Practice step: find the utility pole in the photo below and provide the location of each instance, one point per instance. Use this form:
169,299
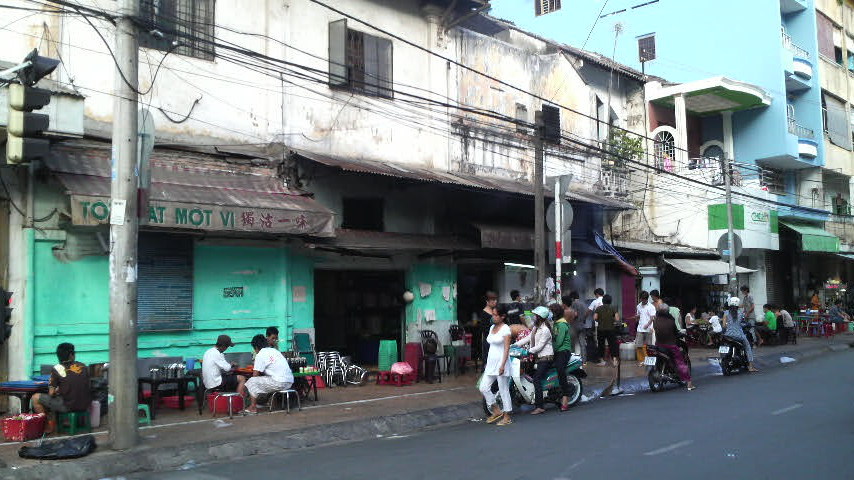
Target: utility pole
539,208
725,170
558,236
122,400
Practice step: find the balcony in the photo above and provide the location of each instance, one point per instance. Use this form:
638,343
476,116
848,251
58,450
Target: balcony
799,130
841,226
792,6
615,181
799,67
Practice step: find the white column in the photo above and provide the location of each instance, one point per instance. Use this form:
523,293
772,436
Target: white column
681,130
729,144
601,276
650,278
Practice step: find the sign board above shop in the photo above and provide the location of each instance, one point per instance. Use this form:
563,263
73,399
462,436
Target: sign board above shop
92,210
757,227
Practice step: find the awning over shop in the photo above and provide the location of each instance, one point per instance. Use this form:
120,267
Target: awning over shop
194,198
610,250
846,256
424,174
814,239
693,266
653,247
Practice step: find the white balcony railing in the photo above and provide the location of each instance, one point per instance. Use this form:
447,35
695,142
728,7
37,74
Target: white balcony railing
794,48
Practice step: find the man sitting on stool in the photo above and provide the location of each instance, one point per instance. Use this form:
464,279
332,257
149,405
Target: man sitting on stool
217,373
68,389
271,373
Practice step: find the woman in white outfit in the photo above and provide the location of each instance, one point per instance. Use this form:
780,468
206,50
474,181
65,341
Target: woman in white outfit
498,368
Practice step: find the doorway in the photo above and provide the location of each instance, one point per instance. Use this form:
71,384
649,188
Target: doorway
355,309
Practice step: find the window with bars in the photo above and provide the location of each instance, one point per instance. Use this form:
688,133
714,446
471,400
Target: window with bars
542,7
772,181
360,62
646,48
190,23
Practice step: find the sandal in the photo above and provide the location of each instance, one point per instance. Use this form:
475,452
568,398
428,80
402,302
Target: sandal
692,387
248,412
506,421
495,416
538,411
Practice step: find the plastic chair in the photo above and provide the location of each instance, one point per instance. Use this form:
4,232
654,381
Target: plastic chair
432,359
303,347
286,399
74,422
145,419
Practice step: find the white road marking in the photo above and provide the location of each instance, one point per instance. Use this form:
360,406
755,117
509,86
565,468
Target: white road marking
787,409
669,448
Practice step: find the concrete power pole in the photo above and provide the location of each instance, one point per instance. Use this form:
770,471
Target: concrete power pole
733,279
539,209
123,235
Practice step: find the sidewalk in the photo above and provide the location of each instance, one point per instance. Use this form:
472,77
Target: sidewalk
346,414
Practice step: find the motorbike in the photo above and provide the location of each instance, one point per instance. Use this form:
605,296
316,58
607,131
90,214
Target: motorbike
733,355
663,367
522,382
701,335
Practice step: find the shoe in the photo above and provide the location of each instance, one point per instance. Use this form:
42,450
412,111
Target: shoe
538,411
495,416
692,387
507,421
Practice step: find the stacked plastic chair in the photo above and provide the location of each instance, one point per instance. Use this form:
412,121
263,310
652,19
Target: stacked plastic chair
387,355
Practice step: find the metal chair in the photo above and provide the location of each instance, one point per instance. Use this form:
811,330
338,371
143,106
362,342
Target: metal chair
230,396
332,368
286,399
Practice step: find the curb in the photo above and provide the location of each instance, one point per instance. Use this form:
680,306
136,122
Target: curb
105,464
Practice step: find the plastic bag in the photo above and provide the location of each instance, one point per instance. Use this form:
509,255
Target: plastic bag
57,450
402,368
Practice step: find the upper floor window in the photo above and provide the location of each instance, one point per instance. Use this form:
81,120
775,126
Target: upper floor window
664,150
829,38
363,214
185,27
542,7
360,61
646,48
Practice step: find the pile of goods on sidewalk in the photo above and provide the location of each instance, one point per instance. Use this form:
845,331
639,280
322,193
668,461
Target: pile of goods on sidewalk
23,427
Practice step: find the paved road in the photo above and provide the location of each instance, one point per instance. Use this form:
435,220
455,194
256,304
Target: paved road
791,422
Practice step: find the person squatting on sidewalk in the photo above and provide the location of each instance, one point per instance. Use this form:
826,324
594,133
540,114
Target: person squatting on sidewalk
497,368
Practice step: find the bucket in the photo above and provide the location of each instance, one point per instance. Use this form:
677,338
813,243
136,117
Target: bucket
222,404
627,351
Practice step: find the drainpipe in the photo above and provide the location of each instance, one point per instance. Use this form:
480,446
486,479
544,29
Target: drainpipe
29,287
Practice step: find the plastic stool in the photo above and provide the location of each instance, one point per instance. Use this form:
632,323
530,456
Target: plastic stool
145,419
74,422
286,397
230,396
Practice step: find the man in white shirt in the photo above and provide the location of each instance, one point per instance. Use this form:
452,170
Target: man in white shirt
271,373
216,371
590,327
646,314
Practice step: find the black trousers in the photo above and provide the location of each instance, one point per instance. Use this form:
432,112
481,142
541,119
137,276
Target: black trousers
540,373
591,348
560,361
609,336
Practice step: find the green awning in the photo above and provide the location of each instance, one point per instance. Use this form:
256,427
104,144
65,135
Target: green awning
814,239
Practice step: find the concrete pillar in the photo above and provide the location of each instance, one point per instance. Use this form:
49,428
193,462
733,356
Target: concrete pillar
19,346
601,278
729,143
681,130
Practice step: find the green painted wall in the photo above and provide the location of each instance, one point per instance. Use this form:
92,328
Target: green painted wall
437,276
72,304
718,217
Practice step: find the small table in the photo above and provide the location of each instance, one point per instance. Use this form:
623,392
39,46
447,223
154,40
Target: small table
25,394
310,379
182,382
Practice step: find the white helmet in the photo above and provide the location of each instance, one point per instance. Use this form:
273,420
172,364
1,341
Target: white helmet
734,302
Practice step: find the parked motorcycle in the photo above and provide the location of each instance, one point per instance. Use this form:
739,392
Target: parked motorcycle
733,355
522,382
663,367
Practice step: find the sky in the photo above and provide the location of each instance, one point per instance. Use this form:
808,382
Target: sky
570,25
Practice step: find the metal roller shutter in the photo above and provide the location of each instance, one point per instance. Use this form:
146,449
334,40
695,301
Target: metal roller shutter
165,297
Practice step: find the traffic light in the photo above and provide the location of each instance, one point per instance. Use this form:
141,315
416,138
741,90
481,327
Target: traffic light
25,127
5,315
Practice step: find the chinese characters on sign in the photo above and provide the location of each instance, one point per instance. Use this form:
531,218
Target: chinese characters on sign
88,210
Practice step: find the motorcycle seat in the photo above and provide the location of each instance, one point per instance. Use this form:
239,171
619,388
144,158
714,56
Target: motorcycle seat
732,340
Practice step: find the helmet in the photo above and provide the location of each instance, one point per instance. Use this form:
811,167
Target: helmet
734,302
542,312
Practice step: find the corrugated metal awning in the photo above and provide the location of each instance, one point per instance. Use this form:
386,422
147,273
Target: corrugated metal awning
457,178
191,198
706,268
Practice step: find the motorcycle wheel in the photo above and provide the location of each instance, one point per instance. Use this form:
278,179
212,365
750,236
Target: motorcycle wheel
656,382
726,365
576,387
